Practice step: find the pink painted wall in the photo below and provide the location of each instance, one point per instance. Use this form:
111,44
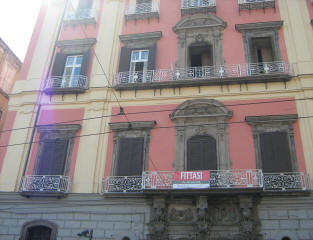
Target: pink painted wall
241,145
33,43
5,136
227,10
58,116
310,8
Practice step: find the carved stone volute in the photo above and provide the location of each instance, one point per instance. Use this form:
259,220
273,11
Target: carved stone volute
158,220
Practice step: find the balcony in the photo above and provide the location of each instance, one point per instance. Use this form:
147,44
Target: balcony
197,6
45,185
86,16
286,182
255,4
142,11
66,84
211,181
204,76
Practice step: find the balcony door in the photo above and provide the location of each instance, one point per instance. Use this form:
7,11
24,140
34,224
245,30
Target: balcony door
201,153
72,71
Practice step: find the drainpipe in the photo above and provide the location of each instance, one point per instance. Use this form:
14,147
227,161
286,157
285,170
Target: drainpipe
40,92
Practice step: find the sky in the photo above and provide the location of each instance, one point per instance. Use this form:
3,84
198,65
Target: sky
17,21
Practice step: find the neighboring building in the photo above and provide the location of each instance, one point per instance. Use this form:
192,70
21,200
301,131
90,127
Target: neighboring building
10,66
192,118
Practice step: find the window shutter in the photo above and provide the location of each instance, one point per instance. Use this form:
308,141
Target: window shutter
59,157
85,63
275,152
129,162
52,158
58,66
201,153
125,59
152,57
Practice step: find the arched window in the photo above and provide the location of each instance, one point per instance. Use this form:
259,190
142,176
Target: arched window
201,153
39,230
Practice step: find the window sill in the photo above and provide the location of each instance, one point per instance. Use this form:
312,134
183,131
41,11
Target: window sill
91,20
58,90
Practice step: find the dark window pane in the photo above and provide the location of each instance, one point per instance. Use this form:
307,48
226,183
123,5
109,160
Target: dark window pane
275,152
38,233
201,153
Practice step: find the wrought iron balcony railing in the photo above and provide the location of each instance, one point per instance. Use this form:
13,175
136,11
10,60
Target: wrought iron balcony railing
204,73
70,83
81,15
212,179
197,6
45,184
286,181
122,184
142,11
255,4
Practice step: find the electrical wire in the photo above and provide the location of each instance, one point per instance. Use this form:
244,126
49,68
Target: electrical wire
156,111
155,128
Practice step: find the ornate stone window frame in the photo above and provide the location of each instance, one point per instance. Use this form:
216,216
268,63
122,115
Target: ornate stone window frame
206,28
51,132
140,40
131,129
272,123
76,46
260,30
39,222
201,117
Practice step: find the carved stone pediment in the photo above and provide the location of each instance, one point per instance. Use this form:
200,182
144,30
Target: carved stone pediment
202,108
199,21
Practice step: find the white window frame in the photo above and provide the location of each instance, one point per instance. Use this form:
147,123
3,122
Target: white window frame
134,75
71,80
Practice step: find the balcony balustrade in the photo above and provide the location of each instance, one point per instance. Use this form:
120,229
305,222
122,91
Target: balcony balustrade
286,181
213,74
63,84
226,180
197,6
81,15
45,184
255,4
142,11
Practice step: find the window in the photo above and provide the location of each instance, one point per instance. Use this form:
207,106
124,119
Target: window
39,230
55,149
274,143
70,68
255,4
72,71
130,156
201,153
131,148
200,41
201,135
261,41
138,57
197,6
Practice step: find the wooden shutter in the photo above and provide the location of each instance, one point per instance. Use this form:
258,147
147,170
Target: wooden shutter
58,66
152,57
52,157
130,156
275,152
201,153
125,59
85,63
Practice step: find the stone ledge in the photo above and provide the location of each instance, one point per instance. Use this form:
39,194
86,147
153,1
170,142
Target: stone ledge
205,82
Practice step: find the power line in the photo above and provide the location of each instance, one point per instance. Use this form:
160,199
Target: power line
157,111
102,69
155,128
